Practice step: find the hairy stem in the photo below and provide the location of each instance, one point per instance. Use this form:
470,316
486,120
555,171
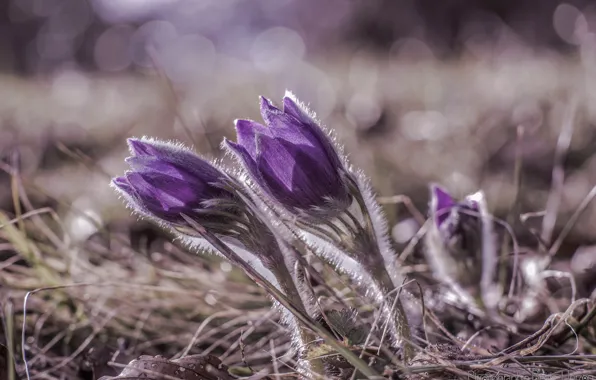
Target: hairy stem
300,315
303,336
399,321
377,268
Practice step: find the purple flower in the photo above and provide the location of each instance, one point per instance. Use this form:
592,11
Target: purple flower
449,216
441,202
292,160
167,180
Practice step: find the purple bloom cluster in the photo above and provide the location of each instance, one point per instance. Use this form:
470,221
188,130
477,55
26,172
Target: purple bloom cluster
291,159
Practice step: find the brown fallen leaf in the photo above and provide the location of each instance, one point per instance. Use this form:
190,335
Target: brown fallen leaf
193,367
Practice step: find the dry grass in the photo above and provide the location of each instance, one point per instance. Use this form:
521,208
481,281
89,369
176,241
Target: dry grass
102,289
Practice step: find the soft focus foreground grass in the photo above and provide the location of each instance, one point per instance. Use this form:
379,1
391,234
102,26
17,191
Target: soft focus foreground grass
405,124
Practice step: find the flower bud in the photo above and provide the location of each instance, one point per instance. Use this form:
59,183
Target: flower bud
293,161
166,180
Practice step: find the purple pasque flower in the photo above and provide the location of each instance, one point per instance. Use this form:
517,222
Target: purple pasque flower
450,216
292,160
166,180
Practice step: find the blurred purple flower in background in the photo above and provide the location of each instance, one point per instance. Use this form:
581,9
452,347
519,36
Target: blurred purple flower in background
447,214
441,201
292,160
167,180
461,248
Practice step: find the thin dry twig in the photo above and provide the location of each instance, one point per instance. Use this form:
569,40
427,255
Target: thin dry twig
558,174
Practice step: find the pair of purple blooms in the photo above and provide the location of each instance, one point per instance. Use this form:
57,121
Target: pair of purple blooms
290,158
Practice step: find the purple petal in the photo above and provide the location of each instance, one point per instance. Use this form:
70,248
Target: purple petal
148,164
243,155
140,147
293,175
199,168
443,198
312,129
125,189
285,126
197,174
161,193
268,110
297,127
123,184
295,110
246,130
279,162
441,201
171,154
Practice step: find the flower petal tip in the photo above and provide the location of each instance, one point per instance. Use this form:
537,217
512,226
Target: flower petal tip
263,102
267,108
138,146
235,148
121,184
290,95
119,181
227,143
242,123
440,197
290,100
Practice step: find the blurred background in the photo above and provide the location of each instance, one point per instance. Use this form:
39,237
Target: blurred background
453,91
418,91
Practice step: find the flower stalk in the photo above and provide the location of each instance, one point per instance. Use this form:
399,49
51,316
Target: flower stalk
300,314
